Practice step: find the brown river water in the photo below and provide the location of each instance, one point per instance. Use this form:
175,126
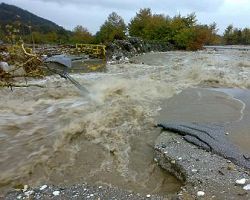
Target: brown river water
56,135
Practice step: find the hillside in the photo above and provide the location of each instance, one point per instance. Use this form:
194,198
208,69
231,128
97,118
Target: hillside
10,14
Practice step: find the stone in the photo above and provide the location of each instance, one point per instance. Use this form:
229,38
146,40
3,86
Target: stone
28,193
56,193
241,181
43,187
200,193
246,187
25,188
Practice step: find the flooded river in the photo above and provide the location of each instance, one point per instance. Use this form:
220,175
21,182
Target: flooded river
56,135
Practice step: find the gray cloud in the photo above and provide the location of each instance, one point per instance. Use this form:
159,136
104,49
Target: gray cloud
199,5
92,13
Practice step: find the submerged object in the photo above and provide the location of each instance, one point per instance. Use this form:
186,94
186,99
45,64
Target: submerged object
60,64
210,137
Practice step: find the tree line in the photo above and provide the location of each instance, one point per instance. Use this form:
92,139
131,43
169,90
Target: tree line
183,32
233,36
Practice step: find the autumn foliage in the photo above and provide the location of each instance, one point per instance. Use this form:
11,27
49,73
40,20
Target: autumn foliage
181,31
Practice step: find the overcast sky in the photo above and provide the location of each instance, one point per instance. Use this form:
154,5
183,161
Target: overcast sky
92,13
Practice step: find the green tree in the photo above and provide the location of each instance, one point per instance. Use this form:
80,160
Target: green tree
139,23
246,36
113,28
38,37
228,34
158,28
1,34
81,35
51,37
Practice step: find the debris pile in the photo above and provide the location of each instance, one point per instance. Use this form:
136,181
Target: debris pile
17,62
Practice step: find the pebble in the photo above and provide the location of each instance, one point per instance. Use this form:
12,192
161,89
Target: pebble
28,193
43,187
241,181
56,193
19,197
25,188
200,193
227,133
246,187
148,196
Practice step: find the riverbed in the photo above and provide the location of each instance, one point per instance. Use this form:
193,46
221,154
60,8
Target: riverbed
56,135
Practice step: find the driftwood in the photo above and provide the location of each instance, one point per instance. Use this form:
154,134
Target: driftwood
11,85
30,63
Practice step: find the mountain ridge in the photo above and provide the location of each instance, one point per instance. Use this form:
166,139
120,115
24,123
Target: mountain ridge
11,14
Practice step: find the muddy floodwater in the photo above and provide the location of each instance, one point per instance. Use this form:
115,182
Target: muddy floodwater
56,135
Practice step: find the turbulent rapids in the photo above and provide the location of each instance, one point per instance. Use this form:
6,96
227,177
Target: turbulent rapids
56,135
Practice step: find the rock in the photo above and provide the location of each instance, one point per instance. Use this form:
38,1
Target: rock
56,193
200,193
172,161
148,196
240,181
246,187
28,193
43,187
25,188
19,197
11,69
121,50
4,65
231,166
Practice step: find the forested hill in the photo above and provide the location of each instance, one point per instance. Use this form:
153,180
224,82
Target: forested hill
12,15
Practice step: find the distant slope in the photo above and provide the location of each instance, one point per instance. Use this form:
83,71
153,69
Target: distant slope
10,14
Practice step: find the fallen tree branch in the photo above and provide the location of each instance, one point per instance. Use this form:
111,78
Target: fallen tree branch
11,85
